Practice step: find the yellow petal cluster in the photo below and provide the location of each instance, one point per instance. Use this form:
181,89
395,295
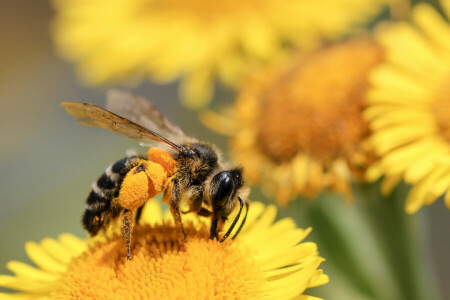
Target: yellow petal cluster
196,41
268,260
409,107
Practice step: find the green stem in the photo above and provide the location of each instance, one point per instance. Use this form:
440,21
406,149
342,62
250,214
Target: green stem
374,250
401,240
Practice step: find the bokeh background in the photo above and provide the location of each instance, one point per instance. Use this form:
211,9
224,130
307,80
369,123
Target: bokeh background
48,161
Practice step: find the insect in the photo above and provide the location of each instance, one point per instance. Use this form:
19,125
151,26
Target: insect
193,172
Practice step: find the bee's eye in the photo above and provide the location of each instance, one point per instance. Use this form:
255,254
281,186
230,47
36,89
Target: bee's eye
238,180
237,176
189,152
222,188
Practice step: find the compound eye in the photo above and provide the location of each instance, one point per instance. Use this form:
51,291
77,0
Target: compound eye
222,187
189,152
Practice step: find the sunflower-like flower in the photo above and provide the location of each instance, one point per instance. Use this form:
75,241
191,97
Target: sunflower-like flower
298,128
197,40
266,261
409,107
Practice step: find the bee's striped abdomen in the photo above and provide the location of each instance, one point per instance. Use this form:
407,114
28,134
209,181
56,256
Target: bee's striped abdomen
99,208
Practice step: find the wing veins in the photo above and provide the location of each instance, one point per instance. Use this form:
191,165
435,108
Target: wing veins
94,116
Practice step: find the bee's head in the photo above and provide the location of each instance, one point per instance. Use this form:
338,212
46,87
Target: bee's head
223,188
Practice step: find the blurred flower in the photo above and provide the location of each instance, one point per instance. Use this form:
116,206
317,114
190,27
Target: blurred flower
266,261
409,108
197,41
298,128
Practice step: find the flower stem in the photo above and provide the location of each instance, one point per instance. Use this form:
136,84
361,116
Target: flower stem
374,250
402,239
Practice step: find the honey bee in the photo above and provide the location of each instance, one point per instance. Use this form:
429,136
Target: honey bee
199,179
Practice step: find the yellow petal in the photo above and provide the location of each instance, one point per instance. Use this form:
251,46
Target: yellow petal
19,296
447,199
405,44
394,78
151,213
294,284
42,259
23,284
388,183
197,88
433,24
391,138
218,122
418,194
77,245
28,272
56,250
321,280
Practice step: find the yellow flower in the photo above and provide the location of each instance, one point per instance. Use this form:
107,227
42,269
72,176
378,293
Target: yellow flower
299,128
266,261
197,40
409,107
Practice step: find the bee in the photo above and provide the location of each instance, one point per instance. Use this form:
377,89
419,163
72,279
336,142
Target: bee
194,173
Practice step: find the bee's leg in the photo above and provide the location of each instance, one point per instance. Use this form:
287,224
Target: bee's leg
213,231
203,212
127,230
138,214
175,204
196,197
216,226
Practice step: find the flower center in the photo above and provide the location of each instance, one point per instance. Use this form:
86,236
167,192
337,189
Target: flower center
442,110
315,106
163,267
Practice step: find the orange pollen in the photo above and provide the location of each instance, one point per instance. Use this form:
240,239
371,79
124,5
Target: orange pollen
146,179
163,267
141,183
441,110
315,107
162,158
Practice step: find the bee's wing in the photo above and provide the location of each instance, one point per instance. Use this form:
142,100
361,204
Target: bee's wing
144,113
95,116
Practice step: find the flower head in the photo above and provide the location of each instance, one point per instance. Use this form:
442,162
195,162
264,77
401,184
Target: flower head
409,107
299,128
196,41
266,261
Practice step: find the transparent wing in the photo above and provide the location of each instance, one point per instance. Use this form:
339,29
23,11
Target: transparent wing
142,112
94,116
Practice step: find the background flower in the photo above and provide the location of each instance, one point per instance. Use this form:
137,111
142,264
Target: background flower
409,107
197,41
298,127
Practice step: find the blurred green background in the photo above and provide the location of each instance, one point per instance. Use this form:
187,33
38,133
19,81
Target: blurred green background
48,161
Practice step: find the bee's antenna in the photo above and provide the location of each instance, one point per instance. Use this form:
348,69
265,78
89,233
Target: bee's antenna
243,221
234,221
